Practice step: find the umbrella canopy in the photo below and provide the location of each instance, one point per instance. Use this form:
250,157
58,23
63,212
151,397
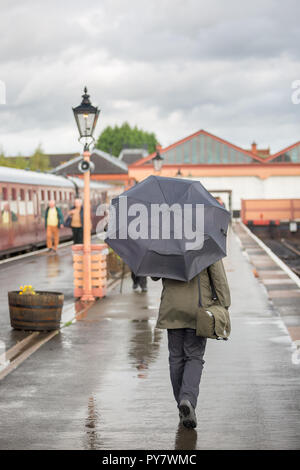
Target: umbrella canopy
168,227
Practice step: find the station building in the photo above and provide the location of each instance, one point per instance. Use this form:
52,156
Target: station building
229,171
225,169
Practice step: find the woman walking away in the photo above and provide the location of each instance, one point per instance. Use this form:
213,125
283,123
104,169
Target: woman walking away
186,312
76,222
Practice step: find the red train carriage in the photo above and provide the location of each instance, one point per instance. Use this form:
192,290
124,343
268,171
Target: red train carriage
24,197
270,211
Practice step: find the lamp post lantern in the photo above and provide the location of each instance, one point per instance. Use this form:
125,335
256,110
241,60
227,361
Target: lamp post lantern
86,116
158,159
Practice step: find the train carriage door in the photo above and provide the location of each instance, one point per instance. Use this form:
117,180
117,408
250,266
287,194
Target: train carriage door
36,212
36,208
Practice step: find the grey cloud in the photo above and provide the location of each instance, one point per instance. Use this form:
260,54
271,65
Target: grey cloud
171,66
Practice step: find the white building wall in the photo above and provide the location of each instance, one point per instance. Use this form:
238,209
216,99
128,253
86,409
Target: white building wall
252,187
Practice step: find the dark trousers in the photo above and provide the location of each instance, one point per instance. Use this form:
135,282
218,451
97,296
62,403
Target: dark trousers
140,280
77,235
186,351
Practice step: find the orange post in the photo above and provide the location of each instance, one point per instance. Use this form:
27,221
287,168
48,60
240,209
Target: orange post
87,275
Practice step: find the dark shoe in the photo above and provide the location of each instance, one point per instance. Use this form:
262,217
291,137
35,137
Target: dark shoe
189,419
135,285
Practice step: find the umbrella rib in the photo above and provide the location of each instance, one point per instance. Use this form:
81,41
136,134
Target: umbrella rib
161,189
141,261
182,196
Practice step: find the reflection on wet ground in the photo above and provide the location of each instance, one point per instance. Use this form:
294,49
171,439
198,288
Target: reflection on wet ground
186,439
91,423
53,261
143,345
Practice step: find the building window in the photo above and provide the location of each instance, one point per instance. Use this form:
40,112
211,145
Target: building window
4,194
29,195
49,195
22,195
13,194
292,156
42,195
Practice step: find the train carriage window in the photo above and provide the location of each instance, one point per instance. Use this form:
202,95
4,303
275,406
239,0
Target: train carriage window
22,203
4,194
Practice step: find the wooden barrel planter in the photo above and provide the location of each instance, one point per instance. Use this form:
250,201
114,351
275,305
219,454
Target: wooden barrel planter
41,312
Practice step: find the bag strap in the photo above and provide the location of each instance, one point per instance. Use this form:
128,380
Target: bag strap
213,290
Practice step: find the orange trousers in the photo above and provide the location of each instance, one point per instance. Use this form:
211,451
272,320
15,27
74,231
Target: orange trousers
52,234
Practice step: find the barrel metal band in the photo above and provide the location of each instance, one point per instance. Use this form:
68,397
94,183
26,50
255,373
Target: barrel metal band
36,306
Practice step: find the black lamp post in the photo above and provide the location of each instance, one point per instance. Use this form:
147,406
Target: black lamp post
86,117
158,159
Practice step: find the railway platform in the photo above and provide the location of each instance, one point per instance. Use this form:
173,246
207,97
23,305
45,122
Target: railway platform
103,382
282,285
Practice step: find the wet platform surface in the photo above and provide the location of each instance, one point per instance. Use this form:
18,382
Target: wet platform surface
103,383
283,292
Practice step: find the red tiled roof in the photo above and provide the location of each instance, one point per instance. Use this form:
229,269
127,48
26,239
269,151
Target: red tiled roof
286,149
170,147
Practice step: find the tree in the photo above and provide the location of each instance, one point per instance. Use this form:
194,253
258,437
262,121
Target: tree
114,139
20,162
13,162
2,158
39,161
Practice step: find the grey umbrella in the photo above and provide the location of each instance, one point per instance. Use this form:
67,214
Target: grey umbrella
168,227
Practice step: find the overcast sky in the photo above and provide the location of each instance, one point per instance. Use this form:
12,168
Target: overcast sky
169,66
